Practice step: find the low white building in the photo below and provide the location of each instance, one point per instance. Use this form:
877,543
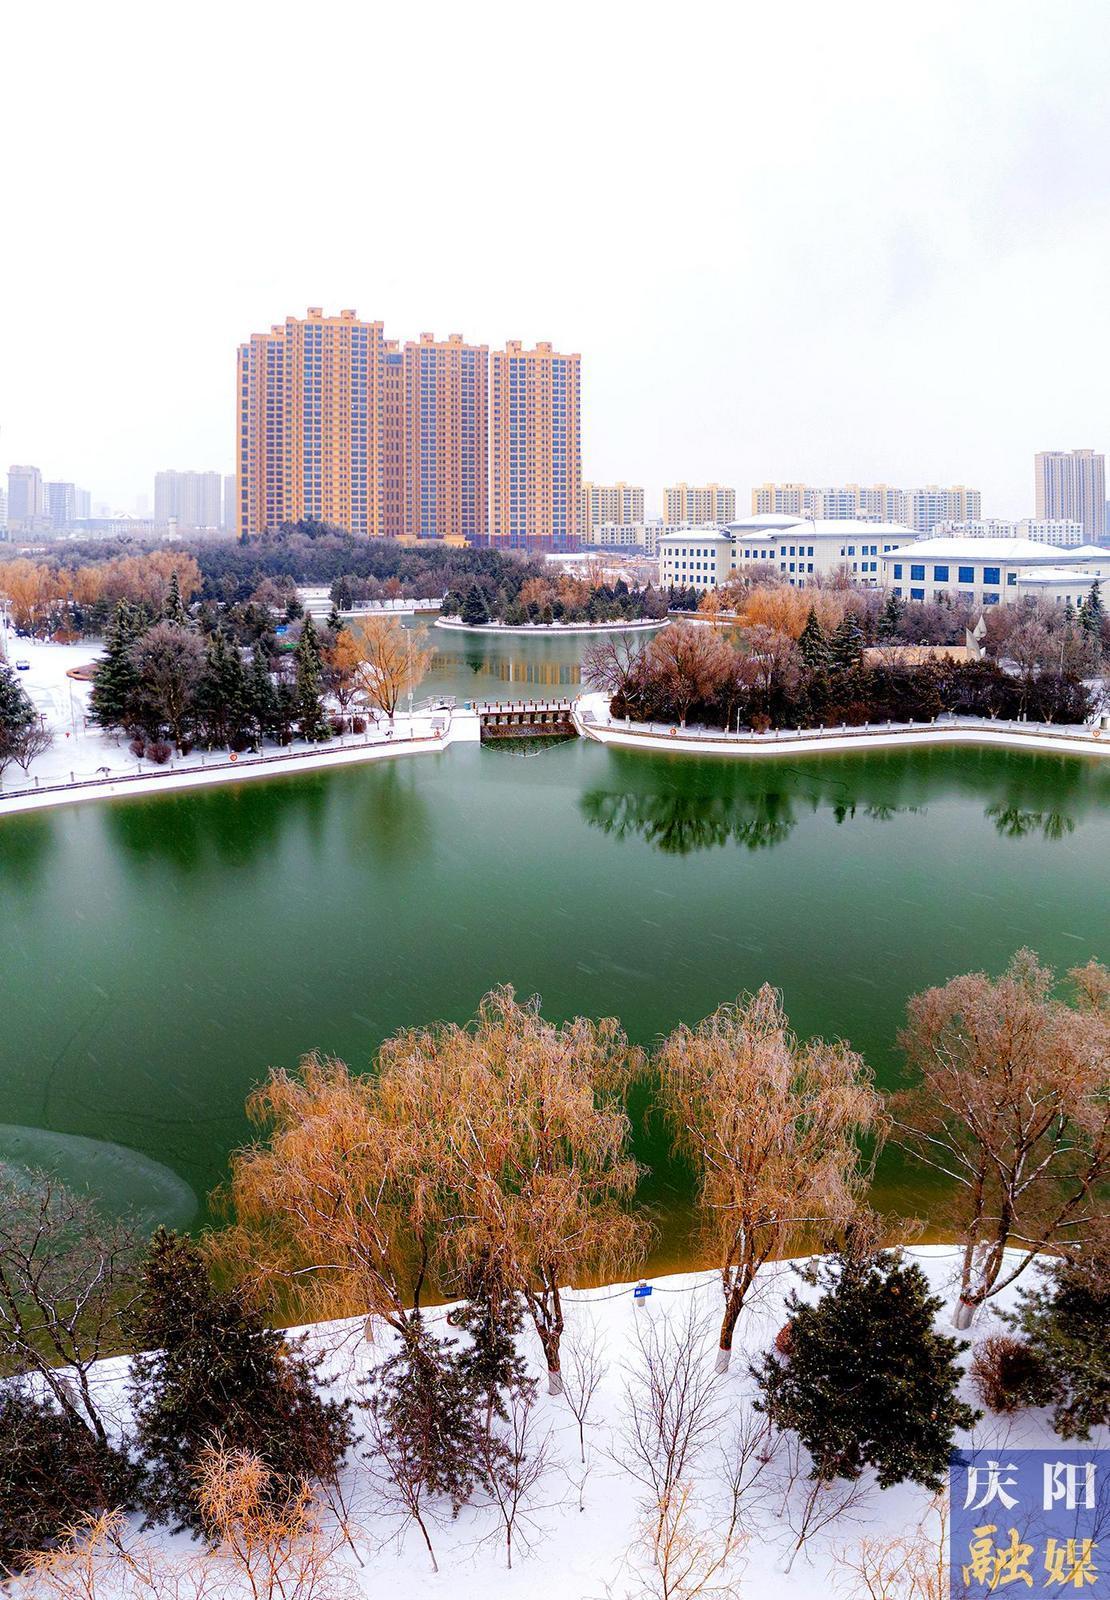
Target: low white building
802,550
1059,585
695,558
981,572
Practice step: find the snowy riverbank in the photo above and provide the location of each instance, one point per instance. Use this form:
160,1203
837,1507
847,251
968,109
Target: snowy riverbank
85,763
594,721
585,1525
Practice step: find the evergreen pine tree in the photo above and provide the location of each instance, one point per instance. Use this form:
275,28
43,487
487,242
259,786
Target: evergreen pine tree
174,608
16,711
335,621
223,699
1069,613
868,1381
52,1472
474,610
423,1399
490,1364
262,696
846,644
310,717
1091,612
1065,1320
890,619
115,689
813,647
213,1371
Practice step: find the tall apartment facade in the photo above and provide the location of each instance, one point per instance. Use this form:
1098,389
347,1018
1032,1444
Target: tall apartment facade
535,448
933,505
1071,486
699,504
26,500
191,499
311,424
446,422
852,502
610,504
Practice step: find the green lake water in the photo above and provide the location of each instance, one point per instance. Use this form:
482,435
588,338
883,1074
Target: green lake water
158,955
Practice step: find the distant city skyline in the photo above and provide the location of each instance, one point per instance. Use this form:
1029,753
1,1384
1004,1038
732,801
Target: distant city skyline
894,272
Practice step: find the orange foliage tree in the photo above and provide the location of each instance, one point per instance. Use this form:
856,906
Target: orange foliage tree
771,1126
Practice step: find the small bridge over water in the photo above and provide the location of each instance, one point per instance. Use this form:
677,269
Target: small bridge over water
525,719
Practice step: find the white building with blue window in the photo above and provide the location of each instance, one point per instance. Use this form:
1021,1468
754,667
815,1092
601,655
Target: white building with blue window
801,550
982,572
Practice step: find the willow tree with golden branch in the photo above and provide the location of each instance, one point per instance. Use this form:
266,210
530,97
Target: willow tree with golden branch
337,1207
535,1148
772,1128
1010,1100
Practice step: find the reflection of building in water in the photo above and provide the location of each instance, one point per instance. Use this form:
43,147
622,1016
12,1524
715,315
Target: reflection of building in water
553,674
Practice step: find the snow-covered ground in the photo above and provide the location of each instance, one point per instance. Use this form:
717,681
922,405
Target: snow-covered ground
84,754
582,1538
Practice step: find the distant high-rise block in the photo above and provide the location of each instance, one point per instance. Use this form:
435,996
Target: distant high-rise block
191,499
311,423
1071,486
3,512
26,500
931,506
699,504
229,521
61,504
535,448
609,503
446,422
855,502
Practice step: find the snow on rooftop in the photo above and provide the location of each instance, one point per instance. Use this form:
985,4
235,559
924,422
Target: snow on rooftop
1033,551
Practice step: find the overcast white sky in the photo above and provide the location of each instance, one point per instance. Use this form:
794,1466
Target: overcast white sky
828,240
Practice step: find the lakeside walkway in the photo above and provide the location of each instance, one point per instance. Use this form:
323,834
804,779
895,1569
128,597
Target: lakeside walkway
424,734
593,721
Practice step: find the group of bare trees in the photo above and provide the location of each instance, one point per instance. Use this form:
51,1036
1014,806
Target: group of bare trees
49,599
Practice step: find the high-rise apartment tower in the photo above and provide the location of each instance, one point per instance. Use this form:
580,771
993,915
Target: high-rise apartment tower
1071,486
446,423
698,504
535,448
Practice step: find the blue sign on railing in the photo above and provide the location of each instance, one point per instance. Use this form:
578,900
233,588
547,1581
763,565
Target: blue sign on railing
641,1291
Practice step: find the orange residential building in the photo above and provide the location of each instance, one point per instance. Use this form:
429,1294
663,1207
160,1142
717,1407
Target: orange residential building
446,423
337,423
535,448
313,415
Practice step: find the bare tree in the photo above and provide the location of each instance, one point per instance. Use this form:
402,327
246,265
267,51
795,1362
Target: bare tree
29,743
265,1546
673,1416
810,1503
901,1566
771,1126
584,1368
68,1278
673,1409
533,1148
1009,1100
609,664
515,1460
400,1473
